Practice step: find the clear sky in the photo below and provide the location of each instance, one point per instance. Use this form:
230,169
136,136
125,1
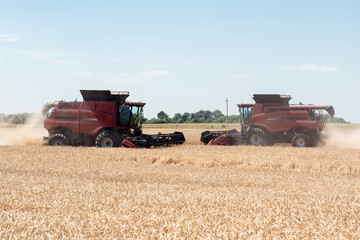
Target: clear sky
181,56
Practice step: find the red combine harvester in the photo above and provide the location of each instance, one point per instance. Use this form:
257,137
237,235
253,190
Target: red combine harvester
103,119
272,120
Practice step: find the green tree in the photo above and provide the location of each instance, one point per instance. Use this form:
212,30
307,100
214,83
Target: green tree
162,115
157,121
177,118
218,115
186,117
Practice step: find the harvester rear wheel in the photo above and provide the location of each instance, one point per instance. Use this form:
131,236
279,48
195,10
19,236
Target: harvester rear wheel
58,139
300,140
108,139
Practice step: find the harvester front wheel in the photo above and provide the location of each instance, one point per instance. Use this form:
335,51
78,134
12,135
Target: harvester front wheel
256,137
58,139
300,140
108,139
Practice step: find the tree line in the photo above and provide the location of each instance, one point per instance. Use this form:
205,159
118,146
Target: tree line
197,117
214,117
19,118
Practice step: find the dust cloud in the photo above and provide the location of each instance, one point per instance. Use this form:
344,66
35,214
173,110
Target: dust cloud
347,137
30,133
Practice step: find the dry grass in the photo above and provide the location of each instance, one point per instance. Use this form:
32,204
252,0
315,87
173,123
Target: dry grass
190,191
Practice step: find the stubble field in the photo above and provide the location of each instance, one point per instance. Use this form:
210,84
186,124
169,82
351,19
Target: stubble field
190,191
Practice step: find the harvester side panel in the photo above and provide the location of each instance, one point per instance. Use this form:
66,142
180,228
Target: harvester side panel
272,122
102,115
88,106
92,122
299,119
65,118
276,119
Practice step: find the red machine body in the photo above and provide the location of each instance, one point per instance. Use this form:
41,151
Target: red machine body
87,117
103,119
275,118
80,123
272,119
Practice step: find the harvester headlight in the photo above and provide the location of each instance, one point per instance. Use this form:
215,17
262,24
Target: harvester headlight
50,112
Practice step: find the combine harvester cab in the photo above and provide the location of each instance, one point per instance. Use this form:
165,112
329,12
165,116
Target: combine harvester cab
271,119
103,119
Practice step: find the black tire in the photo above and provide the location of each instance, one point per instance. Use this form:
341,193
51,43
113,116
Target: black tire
314,140
301,140
58,139
313,144
108,139
257,137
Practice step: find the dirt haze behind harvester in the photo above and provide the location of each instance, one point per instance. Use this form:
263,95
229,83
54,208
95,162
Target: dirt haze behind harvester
31,133
342,137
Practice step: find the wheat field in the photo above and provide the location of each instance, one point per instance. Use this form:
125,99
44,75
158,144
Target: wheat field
182,192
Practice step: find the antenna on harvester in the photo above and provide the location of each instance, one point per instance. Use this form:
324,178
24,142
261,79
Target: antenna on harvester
227,113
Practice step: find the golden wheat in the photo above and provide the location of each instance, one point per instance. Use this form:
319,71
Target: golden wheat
189,191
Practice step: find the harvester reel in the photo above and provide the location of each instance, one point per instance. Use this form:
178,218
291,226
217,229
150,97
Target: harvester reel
300,140
58,139
108,139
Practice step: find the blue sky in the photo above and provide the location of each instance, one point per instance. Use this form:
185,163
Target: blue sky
180,56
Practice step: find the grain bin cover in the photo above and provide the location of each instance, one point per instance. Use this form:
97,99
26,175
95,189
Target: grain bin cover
272,98
104,95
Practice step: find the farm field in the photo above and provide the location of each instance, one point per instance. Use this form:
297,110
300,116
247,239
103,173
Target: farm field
189,191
